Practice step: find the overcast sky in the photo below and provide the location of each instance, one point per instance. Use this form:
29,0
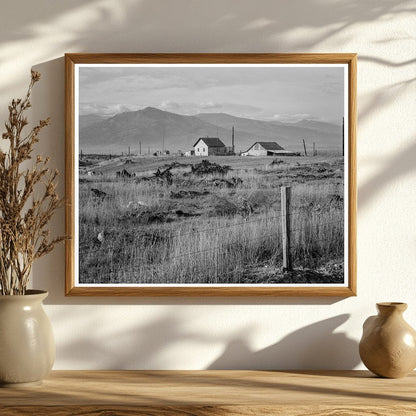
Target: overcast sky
269,93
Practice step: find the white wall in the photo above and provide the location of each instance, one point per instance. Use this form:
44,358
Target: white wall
197,333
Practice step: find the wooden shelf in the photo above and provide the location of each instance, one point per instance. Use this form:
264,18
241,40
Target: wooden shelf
203,393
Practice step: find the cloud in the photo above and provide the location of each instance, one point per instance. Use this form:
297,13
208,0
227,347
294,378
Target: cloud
192,108
210,105
286,94
107,109
170,105
189,108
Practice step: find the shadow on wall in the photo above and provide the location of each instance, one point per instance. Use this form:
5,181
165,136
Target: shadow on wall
142,21
146,26
143,347
396,167
382,97
48,100
241,26
313,347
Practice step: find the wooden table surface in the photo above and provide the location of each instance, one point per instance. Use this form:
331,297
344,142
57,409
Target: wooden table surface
202,393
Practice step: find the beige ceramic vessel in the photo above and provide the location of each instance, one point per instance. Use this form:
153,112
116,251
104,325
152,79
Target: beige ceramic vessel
27,347
388,344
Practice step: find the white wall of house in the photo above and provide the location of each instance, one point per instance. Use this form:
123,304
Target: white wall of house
261,333
201,148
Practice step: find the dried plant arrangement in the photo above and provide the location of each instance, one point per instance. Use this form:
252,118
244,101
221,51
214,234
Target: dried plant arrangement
28,199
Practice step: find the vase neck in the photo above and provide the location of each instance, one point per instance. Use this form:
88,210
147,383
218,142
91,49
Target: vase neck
390,308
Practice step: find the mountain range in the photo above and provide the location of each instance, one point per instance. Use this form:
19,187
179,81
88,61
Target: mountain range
157,129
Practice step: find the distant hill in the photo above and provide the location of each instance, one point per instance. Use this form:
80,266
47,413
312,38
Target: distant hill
89,119
316,125
155,128
289,135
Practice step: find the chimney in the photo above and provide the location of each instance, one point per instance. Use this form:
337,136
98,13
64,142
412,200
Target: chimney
232,140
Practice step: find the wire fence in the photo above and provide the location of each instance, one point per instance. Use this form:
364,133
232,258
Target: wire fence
246,222
257,241
249,243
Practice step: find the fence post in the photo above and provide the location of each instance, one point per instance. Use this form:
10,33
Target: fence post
285,203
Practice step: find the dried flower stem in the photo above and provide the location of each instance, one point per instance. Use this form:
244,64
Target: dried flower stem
23,218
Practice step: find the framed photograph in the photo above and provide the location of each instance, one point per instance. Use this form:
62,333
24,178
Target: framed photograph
211,174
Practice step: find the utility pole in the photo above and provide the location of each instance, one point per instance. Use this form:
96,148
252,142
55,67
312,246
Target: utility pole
232,141
163,140
140,148
304,147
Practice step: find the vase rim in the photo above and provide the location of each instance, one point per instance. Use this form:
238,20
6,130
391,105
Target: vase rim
400,306
30,294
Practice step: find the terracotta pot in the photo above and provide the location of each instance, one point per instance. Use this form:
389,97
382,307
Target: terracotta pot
388,344
27,347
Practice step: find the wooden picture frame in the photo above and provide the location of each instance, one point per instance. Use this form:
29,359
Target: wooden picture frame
82,81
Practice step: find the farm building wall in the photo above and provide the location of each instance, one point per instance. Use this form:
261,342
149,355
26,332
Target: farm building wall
212,151
201,149
232,333
256,150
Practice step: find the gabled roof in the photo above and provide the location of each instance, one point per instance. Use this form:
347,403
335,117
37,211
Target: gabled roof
266,146
211,142
270,145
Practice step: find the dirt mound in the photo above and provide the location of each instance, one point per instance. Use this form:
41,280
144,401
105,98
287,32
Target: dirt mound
207,168
175,164
225,183
160,176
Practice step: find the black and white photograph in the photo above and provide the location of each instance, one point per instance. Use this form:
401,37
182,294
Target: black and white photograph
211,174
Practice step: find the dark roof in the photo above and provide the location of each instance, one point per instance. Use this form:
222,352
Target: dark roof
211,142
270,145
267,146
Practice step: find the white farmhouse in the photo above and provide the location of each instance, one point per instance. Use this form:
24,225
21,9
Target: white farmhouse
208,146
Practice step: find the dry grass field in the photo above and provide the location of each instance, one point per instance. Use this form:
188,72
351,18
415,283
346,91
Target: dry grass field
183,226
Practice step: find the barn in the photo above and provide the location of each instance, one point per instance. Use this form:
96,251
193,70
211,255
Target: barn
268,149
208,146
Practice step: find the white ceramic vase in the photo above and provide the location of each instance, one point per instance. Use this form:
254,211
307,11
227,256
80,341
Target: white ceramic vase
27,347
